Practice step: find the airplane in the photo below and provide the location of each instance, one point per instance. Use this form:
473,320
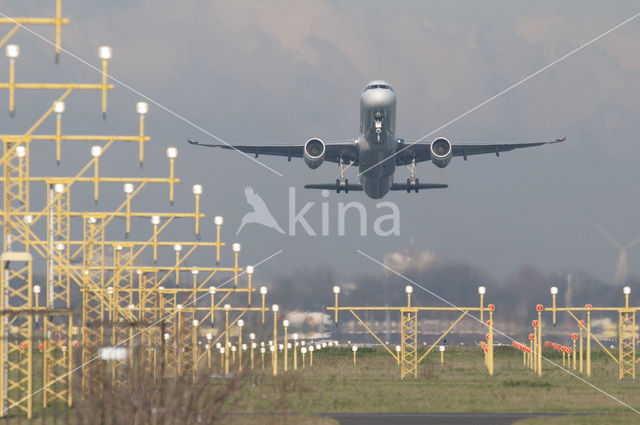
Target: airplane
377,151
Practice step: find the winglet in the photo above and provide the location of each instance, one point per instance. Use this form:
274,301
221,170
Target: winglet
192,142
560,140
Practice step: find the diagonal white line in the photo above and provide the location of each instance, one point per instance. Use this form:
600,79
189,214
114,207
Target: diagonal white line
123,84
496,330
132,336
508,89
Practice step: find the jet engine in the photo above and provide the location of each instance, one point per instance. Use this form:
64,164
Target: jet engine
314,153
441,152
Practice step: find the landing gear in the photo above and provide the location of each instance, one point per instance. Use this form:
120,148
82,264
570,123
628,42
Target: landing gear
342,183
412,182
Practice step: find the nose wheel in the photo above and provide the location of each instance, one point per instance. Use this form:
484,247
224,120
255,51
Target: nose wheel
342,184
412,182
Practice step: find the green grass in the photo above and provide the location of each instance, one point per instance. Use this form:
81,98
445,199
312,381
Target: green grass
461,384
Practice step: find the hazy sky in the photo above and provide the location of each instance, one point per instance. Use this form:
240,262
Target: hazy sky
282,72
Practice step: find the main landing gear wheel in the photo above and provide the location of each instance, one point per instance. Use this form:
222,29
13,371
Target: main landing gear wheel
337,185
346,185
417,184
408,185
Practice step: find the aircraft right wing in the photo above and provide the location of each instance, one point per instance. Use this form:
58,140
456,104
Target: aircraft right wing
347,150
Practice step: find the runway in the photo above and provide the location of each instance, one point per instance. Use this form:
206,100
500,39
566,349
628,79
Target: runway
433,418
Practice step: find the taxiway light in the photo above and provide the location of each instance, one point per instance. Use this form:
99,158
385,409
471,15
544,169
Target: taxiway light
142,108
105,52
172,152
59,107
12,51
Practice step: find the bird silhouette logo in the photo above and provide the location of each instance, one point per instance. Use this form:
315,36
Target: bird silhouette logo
260,214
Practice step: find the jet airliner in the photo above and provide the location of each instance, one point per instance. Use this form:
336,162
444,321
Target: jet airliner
377,151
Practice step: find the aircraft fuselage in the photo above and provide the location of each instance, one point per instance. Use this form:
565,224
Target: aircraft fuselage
377,139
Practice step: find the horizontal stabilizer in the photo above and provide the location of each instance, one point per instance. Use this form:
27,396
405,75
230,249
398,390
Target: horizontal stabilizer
404,186
394,186
332,186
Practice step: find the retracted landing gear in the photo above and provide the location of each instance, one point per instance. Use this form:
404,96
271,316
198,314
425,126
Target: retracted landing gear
412,182
342,183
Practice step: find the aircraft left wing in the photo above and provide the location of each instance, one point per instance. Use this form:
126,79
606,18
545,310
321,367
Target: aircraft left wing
421,151
346,150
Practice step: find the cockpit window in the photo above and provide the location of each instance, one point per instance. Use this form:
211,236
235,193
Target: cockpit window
378,86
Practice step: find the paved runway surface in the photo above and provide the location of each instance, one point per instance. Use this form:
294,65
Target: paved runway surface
431,418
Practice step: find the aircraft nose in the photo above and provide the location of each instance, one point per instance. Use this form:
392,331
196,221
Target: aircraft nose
378,98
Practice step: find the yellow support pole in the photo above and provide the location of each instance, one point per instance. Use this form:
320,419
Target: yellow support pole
275,309
589,341
285,324
581,350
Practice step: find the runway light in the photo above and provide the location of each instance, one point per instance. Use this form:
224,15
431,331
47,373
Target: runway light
36,289
354,348
263,290
285,323
60,247
252,336
195,323
59,107
218,220
212,289
172,152
236,247
177,247
142,108
295,337
240,323
275,308
227,307
209,337
12,51
441,348
197,189
96,151
155,220
336,289
58,187
398,348
303,350
128,188
408,289
249,269
105,52
554,290
482,290
21,151
626,290
194,272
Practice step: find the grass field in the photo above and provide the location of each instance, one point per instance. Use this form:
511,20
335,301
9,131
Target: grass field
461,384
